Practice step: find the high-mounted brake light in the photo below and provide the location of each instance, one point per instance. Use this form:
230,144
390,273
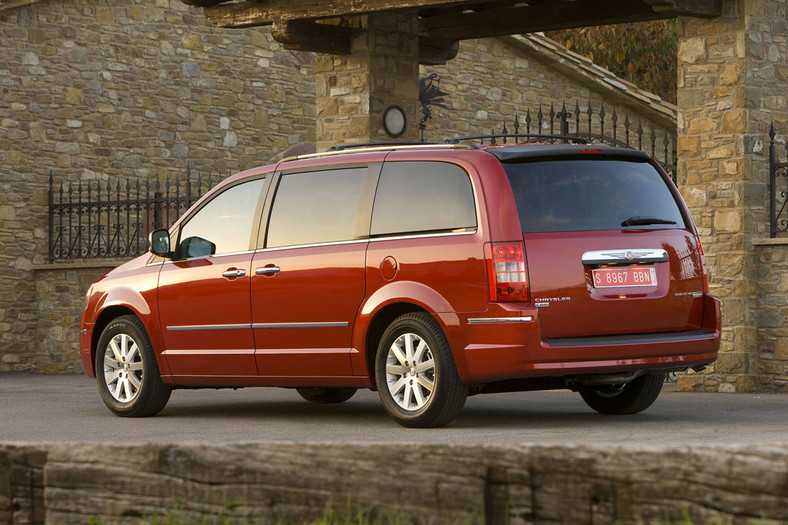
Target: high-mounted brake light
589,151
507,271
703,267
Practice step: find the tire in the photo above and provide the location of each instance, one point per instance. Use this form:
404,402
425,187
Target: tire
631,398
326,396
126,371
415,373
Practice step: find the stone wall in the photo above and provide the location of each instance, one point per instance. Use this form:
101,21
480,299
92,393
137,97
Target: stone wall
92,90
732,83
772,257
492,80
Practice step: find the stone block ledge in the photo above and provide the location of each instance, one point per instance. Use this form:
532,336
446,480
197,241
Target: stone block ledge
80,264
771,242
254,482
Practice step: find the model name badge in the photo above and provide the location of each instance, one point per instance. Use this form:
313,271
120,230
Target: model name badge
541,302
693,294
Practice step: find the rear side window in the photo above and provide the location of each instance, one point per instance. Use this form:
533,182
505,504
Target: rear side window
577,195
316,207
422,197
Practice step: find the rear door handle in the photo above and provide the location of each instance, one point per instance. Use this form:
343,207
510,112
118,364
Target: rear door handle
267,270
234,273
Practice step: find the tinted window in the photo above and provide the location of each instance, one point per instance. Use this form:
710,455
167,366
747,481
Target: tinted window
315,207
422,197
575,195
223,225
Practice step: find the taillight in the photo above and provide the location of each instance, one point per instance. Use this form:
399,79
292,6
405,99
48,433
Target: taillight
703,268
506,271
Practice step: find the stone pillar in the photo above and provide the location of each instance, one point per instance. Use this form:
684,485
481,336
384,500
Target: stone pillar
354,90
728,91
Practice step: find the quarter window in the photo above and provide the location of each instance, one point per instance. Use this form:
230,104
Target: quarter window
422,197
223,225
316,207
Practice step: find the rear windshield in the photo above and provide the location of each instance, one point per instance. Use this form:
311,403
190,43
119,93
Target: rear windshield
577,195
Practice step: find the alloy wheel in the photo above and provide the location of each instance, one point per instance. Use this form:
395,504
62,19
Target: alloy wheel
410,371
123,368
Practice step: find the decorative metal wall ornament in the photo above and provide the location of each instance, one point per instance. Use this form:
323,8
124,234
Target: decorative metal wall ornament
430,94
778,199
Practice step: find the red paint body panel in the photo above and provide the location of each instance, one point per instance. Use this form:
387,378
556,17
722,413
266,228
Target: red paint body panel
576,308
194,301
315,286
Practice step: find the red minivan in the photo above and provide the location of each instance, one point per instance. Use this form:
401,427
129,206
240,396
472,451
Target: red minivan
427,272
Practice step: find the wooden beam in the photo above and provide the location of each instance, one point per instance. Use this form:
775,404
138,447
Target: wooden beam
11,4
433,52
700,8
307,35
541,17
266,12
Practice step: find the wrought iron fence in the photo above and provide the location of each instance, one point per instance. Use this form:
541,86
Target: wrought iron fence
778,178
105,219
601,126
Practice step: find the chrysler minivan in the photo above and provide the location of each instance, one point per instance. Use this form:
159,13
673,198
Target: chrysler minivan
427,273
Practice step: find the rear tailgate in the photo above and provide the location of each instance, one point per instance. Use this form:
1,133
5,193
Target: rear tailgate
610,248
625,296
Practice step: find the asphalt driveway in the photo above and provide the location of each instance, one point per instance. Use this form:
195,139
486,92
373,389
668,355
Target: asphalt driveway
58,408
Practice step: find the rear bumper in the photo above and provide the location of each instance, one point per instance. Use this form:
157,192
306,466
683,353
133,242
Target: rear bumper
504,350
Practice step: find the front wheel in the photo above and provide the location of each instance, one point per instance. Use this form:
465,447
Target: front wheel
629,398
415,373
326,396
126,370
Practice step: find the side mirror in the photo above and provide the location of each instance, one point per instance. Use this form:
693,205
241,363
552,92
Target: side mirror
159,243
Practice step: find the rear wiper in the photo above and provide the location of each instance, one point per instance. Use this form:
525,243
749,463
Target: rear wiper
643,221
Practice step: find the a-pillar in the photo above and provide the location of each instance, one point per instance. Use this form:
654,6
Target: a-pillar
729,88
381,71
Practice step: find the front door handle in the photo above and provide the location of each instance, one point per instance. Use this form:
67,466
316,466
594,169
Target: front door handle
267,270
234,273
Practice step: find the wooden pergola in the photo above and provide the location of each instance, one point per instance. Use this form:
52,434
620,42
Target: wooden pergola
315,25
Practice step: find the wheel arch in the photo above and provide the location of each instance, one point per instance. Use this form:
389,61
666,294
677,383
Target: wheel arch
378,324
118,309
389,302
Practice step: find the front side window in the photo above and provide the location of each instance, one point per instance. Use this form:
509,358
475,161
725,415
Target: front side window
423,197
316,207
223,225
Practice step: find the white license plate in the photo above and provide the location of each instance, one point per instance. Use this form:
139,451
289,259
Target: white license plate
624,277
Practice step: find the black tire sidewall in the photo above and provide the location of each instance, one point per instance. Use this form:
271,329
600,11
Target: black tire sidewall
151,390
636,396
426,328
326,395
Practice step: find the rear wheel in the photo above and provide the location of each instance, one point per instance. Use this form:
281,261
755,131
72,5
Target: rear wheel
126,370
629,398
326,396
415,373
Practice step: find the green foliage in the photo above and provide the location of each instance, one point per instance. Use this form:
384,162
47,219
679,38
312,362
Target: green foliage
643,53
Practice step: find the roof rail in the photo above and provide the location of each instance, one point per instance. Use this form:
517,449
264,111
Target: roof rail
369,148
568,138
343,147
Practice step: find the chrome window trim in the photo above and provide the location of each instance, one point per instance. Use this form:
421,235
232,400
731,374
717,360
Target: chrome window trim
315,245
489,320
328,324
422,236
173,261
625,255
